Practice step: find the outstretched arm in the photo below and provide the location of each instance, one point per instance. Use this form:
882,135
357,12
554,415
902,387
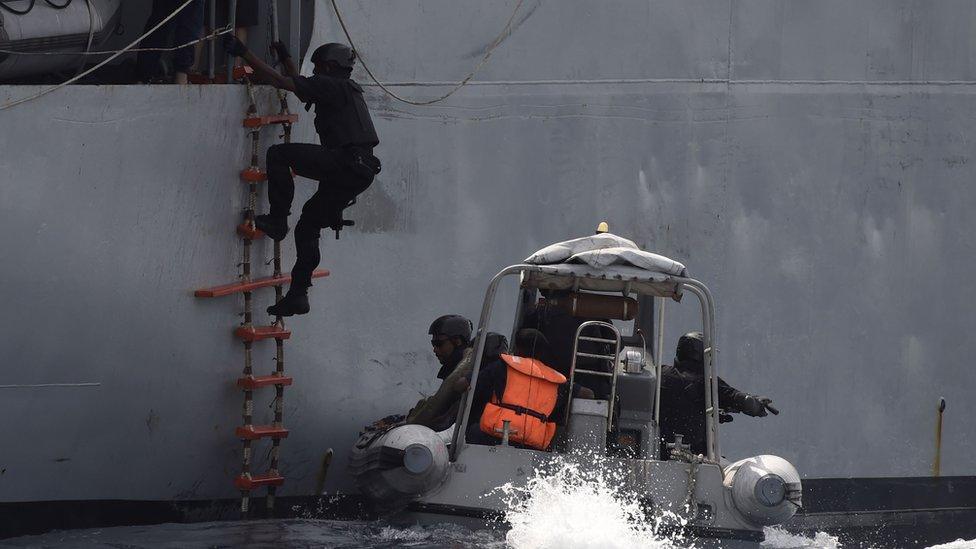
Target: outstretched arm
285,57
290,68
268,73
262,69
734,400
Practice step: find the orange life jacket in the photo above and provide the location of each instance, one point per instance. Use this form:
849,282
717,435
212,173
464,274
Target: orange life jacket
529,397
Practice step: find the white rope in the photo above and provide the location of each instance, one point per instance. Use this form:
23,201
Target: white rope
98,66
498,40
206,38
91,34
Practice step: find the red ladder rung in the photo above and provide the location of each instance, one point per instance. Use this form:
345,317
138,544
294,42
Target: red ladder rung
257,333
250,482
258,121
247,286
255,175
247,231
242,71
256,382
254,432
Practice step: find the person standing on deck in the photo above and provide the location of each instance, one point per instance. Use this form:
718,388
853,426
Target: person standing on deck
186,27
343,164
245,17
683,397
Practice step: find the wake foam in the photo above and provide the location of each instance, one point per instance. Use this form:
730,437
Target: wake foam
779,538
566,506
958,544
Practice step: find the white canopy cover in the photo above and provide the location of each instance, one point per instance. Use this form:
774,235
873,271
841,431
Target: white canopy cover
605,262
603,250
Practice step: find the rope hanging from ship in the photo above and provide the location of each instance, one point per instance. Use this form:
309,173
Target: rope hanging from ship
212,36
108,60
491,48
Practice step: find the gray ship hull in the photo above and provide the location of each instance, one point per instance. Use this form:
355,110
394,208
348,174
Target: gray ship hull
814,162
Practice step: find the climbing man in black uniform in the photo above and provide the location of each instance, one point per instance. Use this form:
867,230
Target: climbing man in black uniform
683,397
343,164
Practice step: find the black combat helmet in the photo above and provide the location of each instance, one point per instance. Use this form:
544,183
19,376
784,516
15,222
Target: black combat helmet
340,54
451,326
691,348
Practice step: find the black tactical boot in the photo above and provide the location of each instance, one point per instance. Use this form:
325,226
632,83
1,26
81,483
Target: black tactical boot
295,302
275,227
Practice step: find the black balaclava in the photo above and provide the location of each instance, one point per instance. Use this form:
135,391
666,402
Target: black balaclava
690,354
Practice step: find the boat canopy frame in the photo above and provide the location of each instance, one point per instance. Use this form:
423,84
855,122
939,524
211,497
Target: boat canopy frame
616,278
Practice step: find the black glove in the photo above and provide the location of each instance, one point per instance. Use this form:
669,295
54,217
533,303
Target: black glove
754,406
233,46
281,50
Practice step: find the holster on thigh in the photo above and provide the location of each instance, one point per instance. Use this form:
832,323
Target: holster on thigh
333,210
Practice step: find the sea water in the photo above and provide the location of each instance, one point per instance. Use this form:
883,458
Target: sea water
563,508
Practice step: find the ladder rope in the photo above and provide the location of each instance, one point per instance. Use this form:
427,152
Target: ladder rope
279,401
274,452
248,416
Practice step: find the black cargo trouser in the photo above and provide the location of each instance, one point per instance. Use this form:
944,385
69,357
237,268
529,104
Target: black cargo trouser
187,26
340,180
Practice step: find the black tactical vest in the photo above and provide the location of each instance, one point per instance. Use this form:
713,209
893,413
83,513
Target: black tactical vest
349,124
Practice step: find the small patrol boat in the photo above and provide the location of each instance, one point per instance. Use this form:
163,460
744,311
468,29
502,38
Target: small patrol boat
442,477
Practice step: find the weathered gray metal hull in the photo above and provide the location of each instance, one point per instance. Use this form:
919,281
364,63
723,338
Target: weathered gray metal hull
813,162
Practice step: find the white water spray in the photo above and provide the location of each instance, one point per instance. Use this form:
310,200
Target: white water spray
779,538
958,544
571,507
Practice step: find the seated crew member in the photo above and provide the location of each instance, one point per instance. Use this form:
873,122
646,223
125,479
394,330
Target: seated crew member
519,389
559,328
532,343
454,349
450,337
343,164
683,397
